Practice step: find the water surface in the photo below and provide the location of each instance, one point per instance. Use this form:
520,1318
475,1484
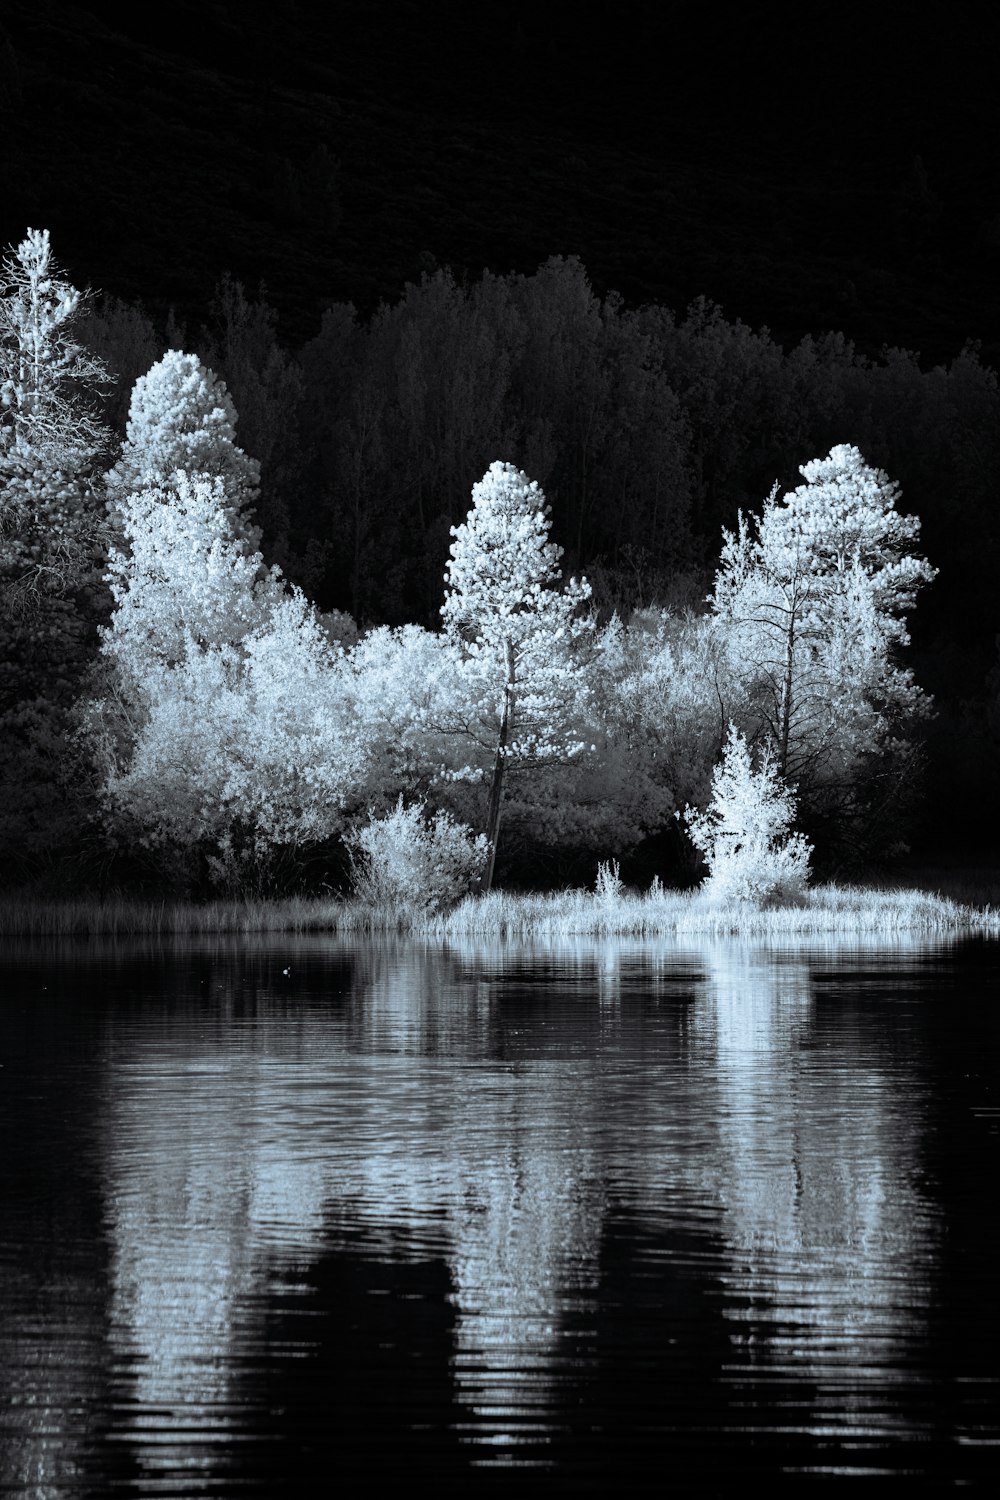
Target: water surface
586,1214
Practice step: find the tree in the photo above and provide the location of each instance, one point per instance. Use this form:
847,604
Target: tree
181,418
811,602
745,832
53,536
51,516
182,571
220,733
45,373
517,627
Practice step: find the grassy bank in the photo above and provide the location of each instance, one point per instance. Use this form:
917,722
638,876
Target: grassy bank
845,910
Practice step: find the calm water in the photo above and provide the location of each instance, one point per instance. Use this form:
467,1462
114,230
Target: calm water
587,1214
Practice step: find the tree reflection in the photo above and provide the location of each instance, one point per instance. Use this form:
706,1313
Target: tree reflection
497,1108
816,1165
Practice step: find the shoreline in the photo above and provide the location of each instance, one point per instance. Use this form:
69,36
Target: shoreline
826,909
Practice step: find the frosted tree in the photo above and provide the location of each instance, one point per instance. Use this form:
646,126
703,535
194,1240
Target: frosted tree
811,602
181,573
220,731
181,418
517,628
51,514
745,832
52,537
185,558
45,372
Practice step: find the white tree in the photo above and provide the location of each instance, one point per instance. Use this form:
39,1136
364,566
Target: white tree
53,535
222,729
45,373
181,418
745,832
811,604
181,572
517,628
51,516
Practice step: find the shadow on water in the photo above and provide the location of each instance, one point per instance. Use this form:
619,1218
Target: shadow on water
580,1212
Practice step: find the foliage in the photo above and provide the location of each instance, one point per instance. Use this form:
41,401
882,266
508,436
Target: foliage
219,734
53,536
809,604
181,418
181,571
745,833
409,859
517,628
608,884
45,372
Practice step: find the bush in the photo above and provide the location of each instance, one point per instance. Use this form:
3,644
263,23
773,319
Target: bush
407,859
745,832
608,885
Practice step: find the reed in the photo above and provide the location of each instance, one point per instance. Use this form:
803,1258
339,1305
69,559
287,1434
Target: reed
832,909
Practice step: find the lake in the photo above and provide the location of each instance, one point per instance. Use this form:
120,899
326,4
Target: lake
580,1214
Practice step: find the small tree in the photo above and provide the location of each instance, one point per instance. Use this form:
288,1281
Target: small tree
745,832
516,626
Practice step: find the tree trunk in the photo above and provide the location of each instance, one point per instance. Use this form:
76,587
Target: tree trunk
499,766
786,698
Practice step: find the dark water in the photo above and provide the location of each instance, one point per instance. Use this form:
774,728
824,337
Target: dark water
582,1216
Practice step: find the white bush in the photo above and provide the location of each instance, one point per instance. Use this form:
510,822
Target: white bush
745,832
608,885
408,859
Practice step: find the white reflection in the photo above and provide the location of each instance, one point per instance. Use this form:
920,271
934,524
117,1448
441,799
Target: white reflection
831,1243
427,1110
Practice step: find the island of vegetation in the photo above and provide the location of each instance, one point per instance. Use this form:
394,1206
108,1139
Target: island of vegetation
191,741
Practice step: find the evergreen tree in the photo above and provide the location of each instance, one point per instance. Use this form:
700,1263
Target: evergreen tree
181,418
517,628
45,372
811,604
53,537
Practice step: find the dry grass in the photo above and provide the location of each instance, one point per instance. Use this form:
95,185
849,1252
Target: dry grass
836,910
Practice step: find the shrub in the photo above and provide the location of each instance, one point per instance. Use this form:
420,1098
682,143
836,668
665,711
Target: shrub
745,832
409,859
608,885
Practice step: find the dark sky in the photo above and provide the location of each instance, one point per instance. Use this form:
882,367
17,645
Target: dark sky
841,174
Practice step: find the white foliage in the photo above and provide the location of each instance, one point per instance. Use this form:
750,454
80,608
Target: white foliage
43,368
745,832
181,576
241,742
182,418
608,885
809,605
517,626
518,632
405,696
503,575
225,728
408,858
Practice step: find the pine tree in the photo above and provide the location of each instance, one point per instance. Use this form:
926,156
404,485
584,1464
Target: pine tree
45,373
517,626
810,601
181,418
53,538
